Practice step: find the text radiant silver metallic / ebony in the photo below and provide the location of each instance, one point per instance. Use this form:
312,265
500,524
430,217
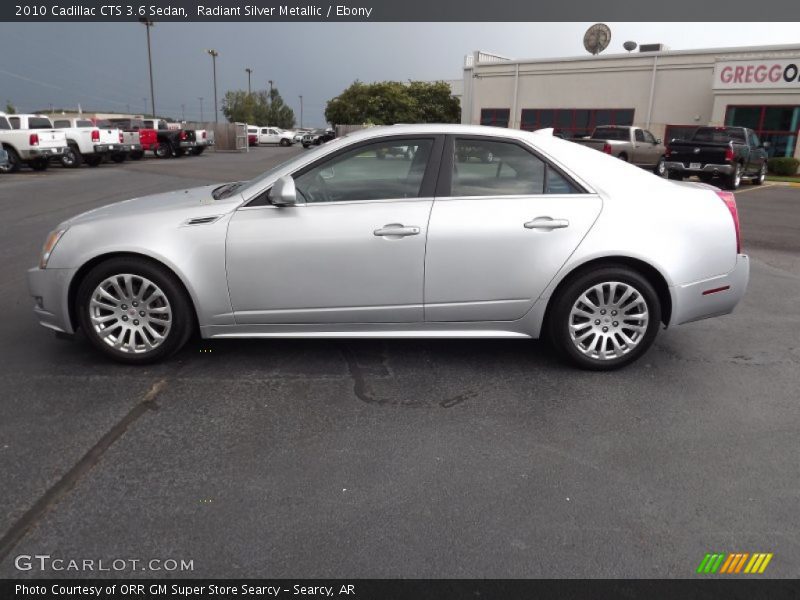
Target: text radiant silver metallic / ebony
404,231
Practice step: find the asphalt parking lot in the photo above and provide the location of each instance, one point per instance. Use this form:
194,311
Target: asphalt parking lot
441,458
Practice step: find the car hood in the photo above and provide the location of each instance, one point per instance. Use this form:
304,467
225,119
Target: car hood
188,203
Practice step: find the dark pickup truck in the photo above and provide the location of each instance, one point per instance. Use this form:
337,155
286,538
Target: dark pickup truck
730,153
155,135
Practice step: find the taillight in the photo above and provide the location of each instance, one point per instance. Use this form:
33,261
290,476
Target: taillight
34,139
730,201
607,148
667,152
183,135
204,135
729,154
121,137
95,135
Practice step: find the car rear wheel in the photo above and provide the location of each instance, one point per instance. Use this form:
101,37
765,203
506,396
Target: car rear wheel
762,175
284,142
72,158
198,150
39,164
118,158
605,319
134,311
675,175
95,160
163,150
14,162
137,155
732,181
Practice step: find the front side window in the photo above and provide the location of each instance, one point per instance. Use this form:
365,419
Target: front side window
649,137
4,124
492,168
391,169
639,135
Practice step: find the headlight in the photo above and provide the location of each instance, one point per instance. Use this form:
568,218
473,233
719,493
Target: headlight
50,245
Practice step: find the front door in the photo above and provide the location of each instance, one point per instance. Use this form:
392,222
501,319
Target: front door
501,232
353,251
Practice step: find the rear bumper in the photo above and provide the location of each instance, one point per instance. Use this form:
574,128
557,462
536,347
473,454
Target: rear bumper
187,144
710,297
48,288
32,153
710,169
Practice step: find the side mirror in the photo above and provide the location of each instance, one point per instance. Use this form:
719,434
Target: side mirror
765,145
658,140
283,192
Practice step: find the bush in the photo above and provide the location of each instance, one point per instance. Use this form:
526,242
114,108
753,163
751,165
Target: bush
781,165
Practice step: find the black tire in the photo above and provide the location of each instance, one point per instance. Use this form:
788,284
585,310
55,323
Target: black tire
731,182
762,175
39,164
182,324
14,162
661,167
163,150
198,150
675,175
284,142
623,157
119,157
306,145
72,157
137,155
94,160
706,178
178,152
558,319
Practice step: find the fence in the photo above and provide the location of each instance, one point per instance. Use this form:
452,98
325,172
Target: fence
226,136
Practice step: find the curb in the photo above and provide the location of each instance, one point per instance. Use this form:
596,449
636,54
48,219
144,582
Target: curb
783,183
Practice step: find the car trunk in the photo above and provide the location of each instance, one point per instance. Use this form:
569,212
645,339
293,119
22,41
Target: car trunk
703,153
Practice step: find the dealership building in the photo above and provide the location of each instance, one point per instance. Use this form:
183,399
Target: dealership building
668,92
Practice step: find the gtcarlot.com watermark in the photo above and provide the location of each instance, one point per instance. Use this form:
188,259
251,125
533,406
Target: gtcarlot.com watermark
46,562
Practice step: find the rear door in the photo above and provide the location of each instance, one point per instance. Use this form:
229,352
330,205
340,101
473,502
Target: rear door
503,223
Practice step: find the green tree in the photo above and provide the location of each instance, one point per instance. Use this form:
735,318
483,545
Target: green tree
259,108
10,108
388,102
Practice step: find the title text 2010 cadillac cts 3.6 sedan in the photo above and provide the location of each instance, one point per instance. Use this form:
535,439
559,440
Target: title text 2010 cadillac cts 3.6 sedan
404,231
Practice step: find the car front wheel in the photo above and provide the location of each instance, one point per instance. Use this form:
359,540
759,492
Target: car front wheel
762,175
605,319
733,180
134,311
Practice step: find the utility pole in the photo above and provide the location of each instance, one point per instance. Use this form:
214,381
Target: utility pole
301,111
201,109
214,54
183,112
249,72
148,23
144,114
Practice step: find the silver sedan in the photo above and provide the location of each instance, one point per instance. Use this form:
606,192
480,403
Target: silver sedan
468,232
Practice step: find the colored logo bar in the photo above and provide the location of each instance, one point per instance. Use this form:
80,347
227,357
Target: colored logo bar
734,563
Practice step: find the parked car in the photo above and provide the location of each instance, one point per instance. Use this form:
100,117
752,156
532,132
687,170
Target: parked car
88,143
156,136
204,138
30,140
297,138
275,135
632,144
317,137
130,140
547,239
731,153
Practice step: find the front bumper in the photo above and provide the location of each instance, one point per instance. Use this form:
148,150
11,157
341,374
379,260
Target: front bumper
49,290
709,169
711,297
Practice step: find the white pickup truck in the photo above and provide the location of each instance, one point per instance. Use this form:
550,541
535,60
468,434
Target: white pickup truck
131,144
275,135
204,139
31,140
89,143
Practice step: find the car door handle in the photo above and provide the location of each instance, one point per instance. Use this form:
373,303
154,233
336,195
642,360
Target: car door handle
547,223
396,230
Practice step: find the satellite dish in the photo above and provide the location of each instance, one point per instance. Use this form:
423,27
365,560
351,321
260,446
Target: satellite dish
597,38
630,46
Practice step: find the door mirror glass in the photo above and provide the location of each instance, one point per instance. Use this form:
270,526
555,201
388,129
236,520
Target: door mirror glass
766,145
658,140
283,192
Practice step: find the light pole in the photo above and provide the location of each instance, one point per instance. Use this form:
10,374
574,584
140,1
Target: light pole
214,54
249,72
183,112
301,111
201,109
145,107
148,23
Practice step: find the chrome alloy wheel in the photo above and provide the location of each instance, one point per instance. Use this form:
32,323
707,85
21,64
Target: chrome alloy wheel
608,320
130,313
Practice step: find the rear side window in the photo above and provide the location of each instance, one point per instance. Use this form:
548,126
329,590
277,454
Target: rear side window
610,133
14,122
60,124
491,168
83,123
39,123
639,135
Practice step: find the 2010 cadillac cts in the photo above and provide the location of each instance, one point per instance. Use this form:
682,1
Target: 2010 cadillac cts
403,231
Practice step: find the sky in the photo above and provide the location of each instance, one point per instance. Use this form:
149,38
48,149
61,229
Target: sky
103,66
